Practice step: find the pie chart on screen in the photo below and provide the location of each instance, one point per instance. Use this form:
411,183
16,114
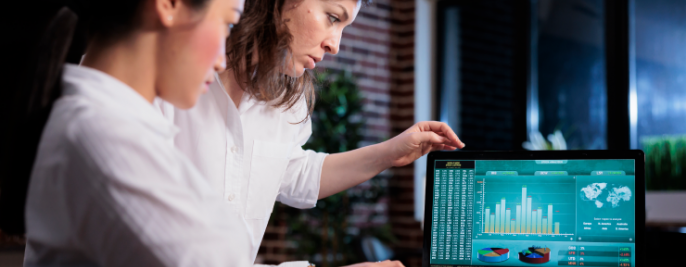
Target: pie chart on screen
493,254
535,254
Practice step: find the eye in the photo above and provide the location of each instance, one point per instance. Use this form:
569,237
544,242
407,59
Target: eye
333,19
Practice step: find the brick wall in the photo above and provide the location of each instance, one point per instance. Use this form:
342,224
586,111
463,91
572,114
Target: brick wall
365,51
378,48
401,186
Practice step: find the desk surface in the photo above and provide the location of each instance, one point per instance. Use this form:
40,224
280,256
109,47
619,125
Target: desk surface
666,209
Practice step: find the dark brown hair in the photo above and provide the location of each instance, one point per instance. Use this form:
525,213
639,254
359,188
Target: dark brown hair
257,51
258,48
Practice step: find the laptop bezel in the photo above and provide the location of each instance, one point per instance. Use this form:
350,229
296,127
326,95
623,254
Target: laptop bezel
637,155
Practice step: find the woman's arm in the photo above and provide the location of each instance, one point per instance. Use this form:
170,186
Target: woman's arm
347,169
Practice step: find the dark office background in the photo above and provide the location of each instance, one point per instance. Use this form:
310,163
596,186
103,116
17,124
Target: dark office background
607,74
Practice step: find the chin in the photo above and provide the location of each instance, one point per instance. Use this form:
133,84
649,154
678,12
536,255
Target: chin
183,105
186,102
300,70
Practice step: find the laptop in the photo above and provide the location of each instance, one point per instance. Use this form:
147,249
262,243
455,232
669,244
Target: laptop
534,208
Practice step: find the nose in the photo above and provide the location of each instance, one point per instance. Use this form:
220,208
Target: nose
330,45
220,63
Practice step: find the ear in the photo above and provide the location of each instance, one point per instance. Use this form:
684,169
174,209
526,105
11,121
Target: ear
167,11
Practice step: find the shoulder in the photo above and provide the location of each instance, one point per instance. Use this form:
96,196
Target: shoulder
86,119
121,148
93,130
299,112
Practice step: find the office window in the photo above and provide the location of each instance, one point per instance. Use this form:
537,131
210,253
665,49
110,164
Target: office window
660,62
568,53
481,79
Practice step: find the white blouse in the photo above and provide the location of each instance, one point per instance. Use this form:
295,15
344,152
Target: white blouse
252,155
109,189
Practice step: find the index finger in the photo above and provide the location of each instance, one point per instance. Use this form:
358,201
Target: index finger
441,127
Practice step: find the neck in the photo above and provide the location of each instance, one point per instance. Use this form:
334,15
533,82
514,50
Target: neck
231,86
130,60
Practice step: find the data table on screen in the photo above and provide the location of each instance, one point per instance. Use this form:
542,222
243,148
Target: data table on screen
453,213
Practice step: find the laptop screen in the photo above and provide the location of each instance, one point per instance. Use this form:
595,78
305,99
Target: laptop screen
533,212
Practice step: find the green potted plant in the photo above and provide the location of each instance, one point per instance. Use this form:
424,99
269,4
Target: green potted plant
665,163
323,234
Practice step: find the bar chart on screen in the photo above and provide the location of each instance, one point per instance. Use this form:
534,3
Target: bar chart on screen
528,207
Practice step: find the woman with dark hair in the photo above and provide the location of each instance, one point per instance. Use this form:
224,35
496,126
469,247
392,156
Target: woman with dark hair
246,134
108,188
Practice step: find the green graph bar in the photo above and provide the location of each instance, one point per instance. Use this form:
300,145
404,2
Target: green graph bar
533,222
487,214
524,221
550,218
518,216
508,221
544,229
529,222
539,213
503,222
497,218
512,226
557,228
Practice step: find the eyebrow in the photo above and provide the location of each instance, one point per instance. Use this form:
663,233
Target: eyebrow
345,12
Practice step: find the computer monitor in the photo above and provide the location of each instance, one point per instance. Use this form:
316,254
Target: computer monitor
542,208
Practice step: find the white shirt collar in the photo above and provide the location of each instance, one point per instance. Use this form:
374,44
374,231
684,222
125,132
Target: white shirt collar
109,91
218,89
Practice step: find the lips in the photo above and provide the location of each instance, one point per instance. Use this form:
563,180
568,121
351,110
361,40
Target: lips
316,59
209,79
206,85
312,61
